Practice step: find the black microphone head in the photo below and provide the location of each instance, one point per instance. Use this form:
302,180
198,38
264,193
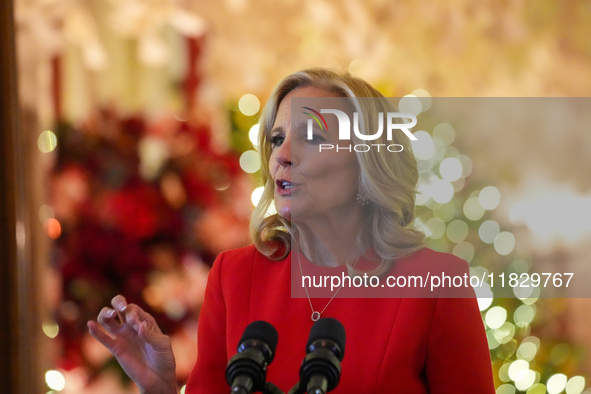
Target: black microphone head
330,329
247,370
262,331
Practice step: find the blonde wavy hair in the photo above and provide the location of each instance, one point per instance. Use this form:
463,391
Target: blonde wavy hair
388,180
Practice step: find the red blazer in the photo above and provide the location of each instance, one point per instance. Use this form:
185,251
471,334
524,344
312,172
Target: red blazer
394,345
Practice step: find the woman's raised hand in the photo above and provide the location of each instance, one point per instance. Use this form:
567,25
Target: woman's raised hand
134,338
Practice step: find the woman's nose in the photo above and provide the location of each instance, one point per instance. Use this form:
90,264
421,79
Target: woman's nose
284,154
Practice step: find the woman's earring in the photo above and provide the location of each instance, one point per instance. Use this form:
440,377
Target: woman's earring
362,198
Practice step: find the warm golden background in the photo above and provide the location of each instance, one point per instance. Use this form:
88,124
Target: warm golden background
139,174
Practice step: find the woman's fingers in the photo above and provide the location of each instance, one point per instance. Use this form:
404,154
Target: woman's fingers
150,332
134,316
107,319
146,327
130,315
101,336
120,304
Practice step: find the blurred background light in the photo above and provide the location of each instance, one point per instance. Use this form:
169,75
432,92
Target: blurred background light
250,161
445,211
457,231
575,385
554,216
47,141
556,384
174,191
450,169
55,380
256,195
451,151
527,294
356,65
466,165
436,228
492,341
488,231
410,104
441,191
495,317
253,135
46,212
504,243
489,198
528,378
464,250
504,333
520,266
249,104
518,370
153,152
472,209
506,389
485,296
446,132
425,98
423,148
504,372
527,351
50,328
524,315
537,388
53,228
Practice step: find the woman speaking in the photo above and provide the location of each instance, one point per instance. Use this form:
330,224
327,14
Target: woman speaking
344,209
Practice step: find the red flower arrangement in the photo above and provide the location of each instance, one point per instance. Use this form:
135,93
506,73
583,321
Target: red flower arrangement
134,201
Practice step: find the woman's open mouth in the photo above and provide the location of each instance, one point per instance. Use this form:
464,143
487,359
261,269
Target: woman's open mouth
284,187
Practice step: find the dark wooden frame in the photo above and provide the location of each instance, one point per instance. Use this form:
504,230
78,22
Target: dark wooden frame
20,370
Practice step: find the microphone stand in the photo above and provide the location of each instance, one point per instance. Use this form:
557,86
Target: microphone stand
300,389
270,388
297,389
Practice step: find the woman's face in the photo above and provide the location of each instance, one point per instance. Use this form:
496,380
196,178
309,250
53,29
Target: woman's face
311,184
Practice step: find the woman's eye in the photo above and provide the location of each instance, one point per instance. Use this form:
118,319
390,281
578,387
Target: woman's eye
316,139
276,140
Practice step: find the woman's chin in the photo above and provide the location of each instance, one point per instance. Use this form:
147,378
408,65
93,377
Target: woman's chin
285,213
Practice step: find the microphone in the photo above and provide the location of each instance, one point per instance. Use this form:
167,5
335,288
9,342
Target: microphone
247,370
321,368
